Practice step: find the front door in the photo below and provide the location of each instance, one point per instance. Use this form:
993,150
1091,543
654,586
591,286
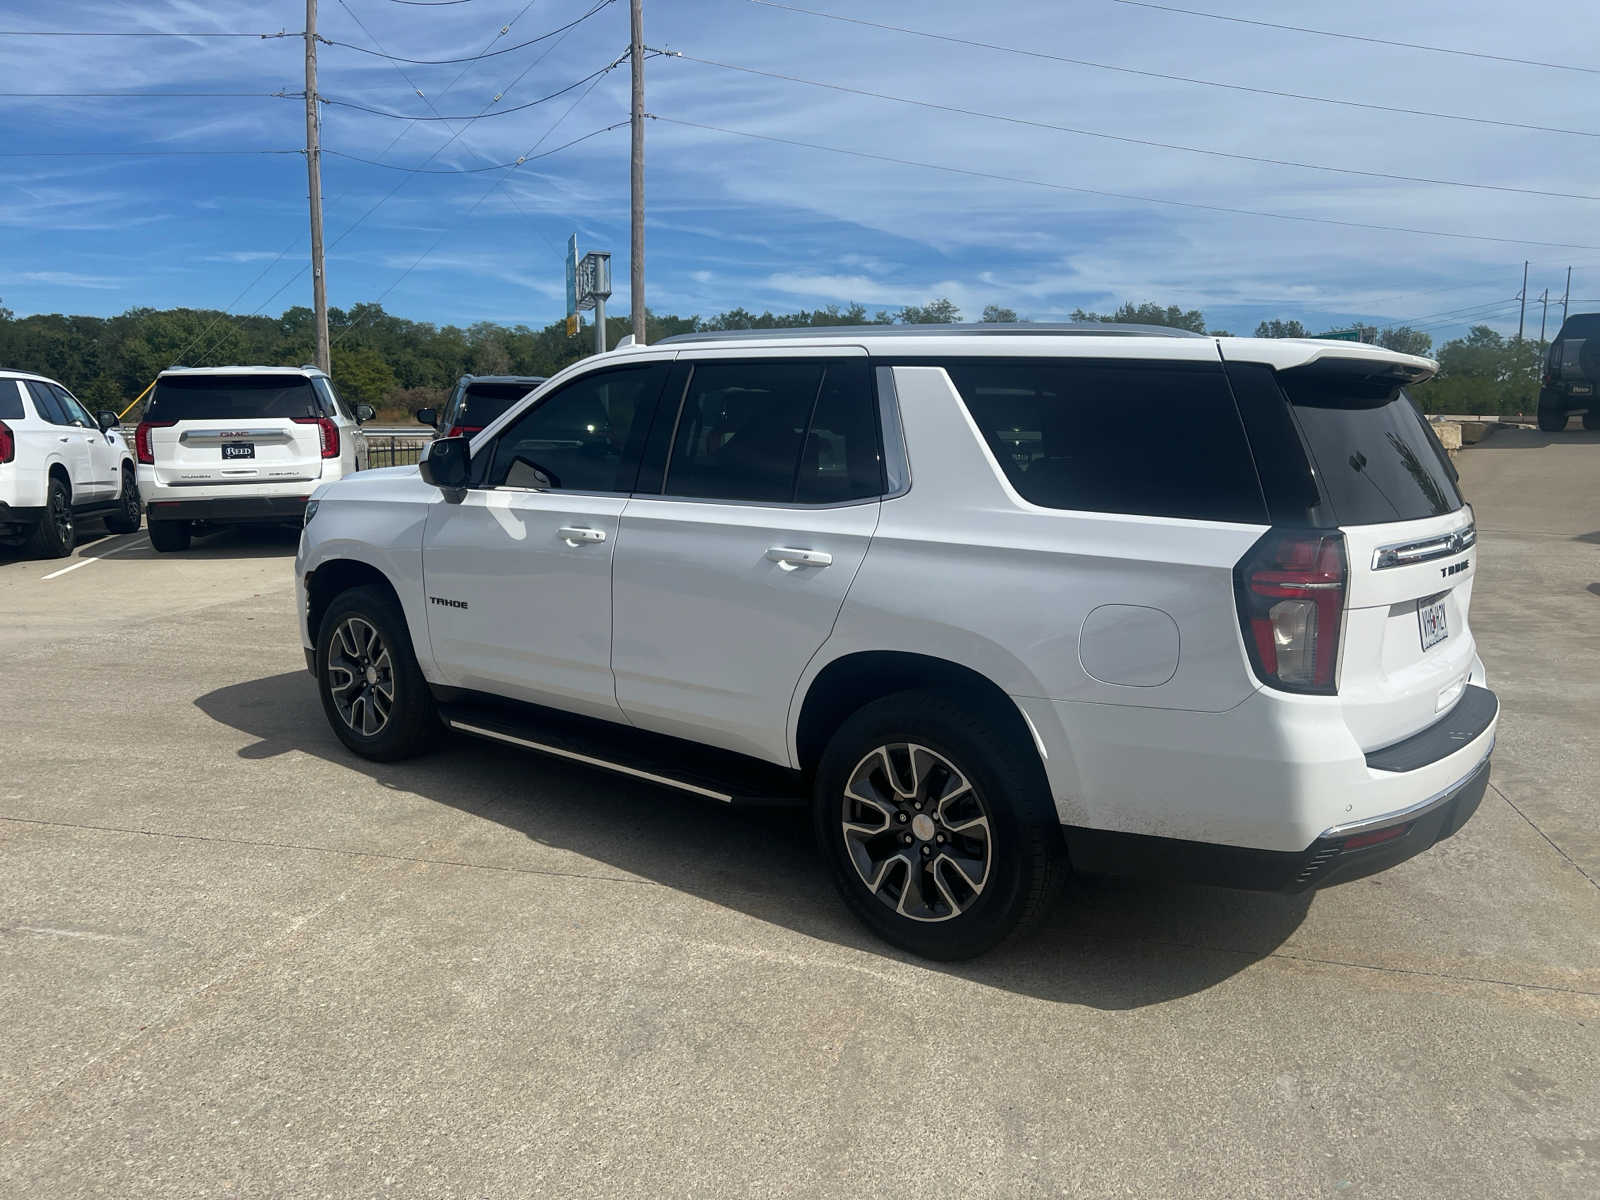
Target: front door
518,572
68,440
730,580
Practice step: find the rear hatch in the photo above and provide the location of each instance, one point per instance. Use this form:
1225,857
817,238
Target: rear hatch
481,402
1573,371
1406,650
241,429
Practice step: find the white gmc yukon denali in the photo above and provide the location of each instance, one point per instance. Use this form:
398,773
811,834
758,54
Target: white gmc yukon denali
996,602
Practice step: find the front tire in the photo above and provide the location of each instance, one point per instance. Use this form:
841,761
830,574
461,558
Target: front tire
372,689
170,536
126,519
937,822
55,535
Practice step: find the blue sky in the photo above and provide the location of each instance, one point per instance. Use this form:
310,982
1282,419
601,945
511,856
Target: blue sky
738,221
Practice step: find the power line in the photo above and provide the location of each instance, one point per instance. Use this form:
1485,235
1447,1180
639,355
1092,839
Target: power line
470,58
136,153
1232,87
1357,37
101,33
515,162
146,95
499,112
1063,187
430,3
1095,133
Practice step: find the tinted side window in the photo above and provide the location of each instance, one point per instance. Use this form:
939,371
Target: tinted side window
10,400
77,414
1376,460
842,459
583,437
332,402
482,403
232,398
46,404
1149,439
741,430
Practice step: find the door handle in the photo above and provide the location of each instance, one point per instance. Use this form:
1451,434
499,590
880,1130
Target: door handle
785,557
66,439
574,536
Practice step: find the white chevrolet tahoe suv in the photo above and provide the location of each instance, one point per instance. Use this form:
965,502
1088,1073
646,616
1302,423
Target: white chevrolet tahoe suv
994,602
59,465
241,445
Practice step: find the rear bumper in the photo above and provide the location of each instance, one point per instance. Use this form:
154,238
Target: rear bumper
1338,856
14,514
232,510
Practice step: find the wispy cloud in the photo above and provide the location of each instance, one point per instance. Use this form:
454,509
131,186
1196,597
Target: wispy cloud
72,279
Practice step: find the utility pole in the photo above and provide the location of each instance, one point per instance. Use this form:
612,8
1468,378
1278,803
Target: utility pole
636,245
1544,311
319,282
1565,296
599,325
1522,313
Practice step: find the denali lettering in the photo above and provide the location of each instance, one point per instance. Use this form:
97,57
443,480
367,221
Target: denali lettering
447,603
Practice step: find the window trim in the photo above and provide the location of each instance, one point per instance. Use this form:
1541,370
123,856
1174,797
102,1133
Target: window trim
45,404
829,356
71,404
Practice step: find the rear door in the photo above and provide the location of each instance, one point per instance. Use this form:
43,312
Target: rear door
1407,648
66,440
728,581
210,430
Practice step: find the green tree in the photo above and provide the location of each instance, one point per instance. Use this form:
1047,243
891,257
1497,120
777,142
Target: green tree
1147,313
1281,329
1406,340
5,313
939,312
994,314
362,375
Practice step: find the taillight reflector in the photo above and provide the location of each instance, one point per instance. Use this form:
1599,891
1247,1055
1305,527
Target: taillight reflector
329,432
8,443
141,440
464,430
1375,838
1291,589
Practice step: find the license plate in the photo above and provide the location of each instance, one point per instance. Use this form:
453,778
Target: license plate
238,449
1581,389
1430,619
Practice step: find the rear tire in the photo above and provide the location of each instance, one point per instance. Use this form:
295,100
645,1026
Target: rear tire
1552,420
947,811
372,689
1591,419
55,535
127,518
170,536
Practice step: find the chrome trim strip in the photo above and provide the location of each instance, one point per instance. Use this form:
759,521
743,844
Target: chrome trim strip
1421,809
1405,554
479,731
229,435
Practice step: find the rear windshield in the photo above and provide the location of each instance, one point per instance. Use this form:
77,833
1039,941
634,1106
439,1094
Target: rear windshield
1376,459
1581,325
230,397
484,402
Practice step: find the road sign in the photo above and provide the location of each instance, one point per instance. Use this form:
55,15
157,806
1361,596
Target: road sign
572,281
594,278
1341,335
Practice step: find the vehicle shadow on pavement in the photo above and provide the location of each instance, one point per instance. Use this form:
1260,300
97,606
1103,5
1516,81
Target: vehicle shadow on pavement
1534,439
1109,944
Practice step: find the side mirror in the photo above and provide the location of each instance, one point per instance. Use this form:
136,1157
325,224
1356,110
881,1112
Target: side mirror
107,420
447,464
428,416
365,412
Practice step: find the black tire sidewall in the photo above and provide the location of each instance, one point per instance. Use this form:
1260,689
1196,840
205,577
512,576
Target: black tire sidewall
124,521
168,536
1552,420
1010,787
413,721
46,541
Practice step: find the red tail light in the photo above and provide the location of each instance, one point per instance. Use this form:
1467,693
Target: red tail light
8,443
141,440
464,430
330,434
1291,590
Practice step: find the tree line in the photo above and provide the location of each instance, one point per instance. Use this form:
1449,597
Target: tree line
398,365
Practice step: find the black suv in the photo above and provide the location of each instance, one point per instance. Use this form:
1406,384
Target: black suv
476,402
1571,374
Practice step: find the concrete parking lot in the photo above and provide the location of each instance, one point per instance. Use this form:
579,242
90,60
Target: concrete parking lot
236,960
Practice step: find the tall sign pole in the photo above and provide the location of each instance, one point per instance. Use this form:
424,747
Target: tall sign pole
636,174
1565,296
1522,313
319,282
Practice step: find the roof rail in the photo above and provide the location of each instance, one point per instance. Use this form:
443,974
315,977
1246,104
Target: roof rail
1021,328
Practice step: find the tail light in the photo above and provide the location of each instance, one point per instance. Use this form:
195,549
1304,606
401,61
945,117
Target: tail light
8,443
141,440
1291,591
329,431
464,430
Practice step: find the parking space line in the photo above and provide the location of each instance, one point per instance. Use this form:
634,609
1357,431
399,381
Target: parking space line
84,562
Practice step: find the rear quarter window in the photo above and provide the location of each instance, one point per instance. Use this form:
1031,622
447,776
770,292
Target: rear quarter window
232,397
482,403
10,401
1146,439
1374,457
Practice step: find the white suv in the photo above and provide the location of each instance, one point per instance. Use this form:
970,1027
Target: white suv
59,465
992,601
241,445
